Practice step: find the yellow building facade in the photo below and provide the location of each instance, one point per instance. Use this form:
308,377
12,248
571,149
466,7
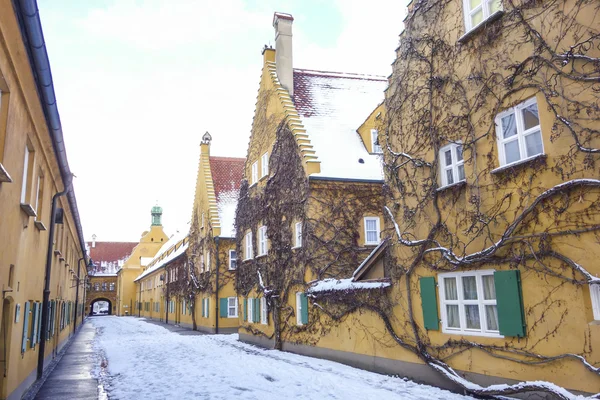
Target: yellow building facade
41,240
311,203
150,243
191,281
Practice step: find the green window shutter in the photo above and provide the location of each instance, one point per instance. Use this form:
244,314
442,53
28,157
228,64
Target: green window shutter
304,308
429,303
38,330
207,307
509,300
245,309
223,305
256,309
34,319
25,327
257,306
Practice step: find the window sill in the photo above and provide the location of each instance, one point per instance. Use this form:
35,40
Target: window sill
296,247
260,256
231,269
57,253
40,225
263,177
372,244
4,176
28,209
247,259
482,25
232,316
467,333
456,185
518,164
252,185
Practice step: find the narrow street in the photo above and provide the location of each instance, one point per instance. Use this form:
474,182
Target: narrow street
147,361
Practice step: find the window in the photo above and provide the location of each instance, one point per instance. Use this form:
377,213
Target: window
452,164
468,303
262,240
264,165
250,306
263,311
208,260
298,234
248,253
232,259
4,176
27,175
97,286
477,11
39,196
254,173
205,307
519,134
111,286
301,309
375,141
232,307
371,230
595,295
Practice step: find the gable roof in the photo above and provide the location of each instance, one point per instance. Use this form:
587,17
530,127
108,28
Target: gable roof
110,251
371,259
227,173
332,106
168,252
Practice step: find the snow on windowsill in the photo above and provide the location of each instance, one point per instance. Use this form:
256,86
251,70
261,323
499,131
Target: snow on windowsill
455,185
332,285
481,26
517,164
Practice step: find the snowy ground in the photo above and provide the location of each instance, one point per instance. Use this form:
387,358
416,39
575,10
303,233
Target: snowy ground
147,361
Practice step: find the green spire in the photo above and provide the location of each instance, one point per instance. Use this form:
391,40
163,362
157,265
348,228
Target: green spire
156,215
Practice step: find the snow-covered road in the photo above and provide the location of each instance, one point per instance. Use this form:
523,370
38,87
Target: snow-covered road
147,361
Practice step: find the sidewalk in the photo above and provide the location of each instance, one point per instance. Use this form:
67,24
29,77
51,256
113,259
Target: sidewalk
72,376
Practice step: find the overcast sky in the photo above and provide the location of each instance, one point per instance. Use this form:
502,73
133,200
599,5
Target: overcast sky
139,82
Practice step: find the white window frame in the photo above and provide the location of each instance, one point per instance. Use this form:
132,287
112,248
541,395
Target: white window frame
595,295
264,165
299,308
232,259
24,199
248,253
250,309
454,166
376,219
461,303
205,307
262,241
376,148
297,235
467,12
264,311
521,132
233,307
208,260
254,173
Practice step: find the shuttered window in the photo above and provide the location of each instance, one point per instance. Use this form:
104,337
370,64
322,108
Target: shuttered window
25,337
223,307
232,307
34,323
264,312
483,303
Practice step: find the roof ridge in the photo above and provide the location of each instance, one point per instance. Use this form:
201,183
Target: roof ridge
349,75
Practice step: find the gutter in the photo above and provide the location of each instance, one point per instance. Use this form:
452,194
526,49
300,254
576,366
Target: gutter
325,178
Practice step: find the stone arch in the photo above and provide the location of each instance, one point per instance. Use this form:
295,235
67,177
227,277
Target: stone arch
98,299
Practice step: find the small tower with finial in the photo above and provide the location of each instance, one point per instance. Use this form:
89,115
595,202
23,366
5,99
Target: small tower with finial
205,144
156,215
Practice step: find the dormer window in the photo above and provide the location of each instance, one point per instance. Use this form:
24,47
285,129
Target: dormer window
375,141
477,11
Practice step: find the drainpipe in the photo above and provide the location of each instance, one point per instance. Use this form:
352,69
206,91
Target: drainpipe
46,295
77,293
217,289
140,301
167,305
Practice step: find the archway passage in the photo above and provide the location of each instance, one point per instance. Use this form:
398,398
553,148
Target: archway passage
101,306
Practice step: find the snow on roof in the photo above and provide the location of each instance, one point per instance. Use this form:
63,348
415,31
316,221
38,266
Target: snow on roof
332,106
144,261
227,173
332,284
97,274
157,263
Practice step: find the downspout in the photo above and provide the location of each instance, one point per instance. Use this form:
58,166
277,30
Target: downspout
217,289
46,294
168,303
140,302
77,294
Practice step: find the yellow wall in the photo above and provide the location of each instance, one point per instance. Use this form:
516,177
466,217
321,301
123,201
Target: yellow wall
24,238
150,243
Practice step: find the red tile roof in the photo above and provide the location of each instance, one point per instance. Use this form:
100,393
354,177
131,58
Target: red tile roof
227,173
110,252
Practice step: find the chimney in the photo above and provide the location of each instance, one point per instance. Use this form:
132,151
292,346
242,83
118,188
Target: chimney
94,240
283,50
